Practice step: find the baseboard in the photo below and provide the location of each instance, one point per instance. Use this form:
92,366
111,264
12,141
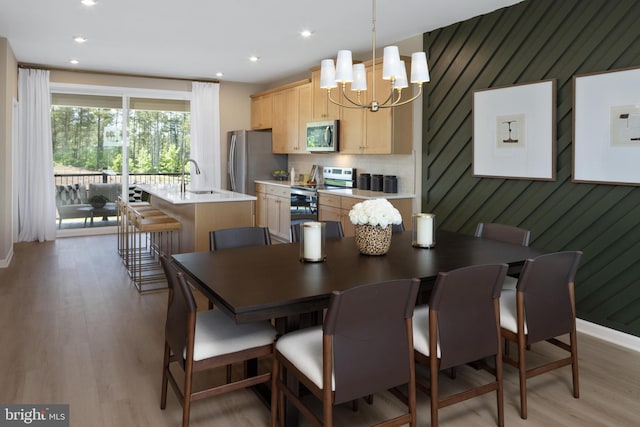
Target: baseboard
4,263
607,334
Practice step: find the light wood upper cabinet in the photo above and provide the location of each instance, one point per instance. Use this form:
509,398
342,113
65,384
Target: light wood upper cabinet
261,111
291,109
287,110
322,108
305,113
387,131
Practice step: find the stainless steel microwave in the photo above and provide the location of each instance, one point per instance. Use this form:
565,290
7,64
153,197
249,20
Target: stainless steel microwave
323,136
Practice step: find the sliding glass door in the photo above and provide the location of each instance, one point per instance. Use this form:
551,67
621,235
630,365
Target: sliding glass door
104,144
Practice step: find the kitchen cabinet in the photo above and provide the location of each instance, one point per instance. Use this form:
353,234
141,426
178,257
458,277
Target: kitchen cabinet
387,131
305,112
322,109
273,210
291,111
261,111
333,207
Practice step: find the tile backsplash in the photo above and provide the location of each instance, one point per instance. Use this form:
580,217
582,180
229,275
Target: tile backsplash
400,165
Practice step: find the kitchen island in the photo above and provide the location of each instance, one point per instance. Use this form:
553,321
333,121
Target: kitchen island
202,211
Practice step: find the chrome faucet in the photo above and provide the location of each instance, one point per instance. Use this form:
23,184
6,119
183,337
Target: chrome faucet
183,184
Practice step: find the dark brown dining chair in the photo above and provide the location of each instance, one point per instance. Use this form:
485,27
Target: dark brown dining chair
239,237
461,325
364,347
397,228
541,308
201,341
333,230
508,234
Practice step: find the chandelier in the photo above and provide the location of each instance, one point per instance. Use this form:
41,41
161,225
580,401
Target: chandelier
393,69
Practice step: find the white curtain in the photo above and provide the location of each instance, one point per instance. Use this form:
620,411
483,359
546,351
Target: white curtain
35,186
205,134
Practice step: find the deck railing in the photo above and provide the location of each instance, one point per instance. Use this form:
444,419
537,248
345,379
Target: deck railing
111,177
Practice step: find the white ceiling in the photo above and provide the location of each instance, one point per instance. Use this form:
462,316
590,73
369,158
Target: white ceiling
197,38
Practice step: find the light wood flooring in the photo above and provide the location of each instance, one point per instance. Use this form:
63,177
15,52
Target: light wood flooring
75,330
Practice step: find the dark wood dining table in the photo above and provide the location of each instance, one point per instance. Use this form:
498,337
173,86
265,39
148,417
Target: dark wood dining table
270,282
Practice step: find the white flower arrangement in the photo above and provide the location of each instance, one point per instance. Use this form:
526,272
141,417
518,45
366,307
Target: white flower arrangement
375,212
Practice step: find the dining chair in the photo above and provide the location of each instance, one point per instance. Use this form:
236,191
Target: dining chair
364,346
201,341
333,230
541,308
239,237
397,228
460,325
508,234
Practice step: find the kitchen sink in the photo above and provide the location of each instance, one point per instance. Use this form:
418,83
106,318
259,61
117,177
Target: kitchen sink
202,191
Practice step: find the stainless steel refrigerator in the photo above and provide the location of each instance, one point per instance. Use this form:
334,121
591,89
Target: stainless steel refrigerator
250,158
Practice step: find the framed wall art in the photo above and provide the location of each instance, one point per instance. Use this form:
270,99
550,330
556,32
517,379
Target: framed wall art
606,127
514,131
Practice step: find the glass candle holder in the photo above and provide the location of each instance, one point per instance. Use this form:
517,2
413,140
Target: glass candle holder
312,238
423,230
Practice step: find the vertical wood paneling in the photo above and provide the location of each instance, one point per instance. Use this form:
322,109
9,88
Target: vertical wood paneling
531,41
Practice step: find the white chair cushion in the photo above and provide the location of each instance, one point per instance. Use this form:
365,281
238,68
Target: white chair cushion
217,334
509,283
421,330
303,348
508,311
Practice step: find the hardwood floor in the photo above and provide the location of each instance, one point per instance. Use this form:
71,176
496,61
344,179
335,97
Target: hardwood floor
75,330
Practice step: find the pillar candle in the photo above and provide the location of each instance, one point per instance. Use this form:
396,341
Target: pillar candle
425,230
312,242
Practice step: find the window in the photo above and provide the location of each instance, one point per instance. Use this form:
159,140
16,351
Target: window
89,144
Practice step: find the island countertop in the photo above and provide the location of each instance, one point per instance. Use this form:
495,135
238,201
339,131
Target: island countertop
171,193
201,212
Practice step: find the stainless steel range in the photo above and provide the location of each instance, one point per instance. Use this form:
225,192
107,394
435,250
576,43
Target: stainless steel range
304,197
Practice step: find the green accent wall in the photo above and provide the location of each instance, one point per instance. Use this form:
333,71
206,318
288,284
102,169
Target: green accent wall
528,42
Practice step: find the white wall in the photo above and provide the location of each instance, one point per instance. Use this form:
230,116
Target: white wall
8,92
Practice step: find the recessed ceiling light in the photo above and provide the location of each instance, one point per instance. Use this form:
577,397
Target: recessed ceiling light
79,39
254,58
88,2
306,33
219,74
74,62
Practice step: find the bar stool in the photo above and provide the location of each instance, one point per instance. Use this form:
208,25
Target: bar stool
122,224
158,230
125,228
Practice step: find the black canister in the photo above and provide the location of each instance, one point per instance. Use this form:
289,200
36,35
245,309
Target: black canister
376,182
390,184
364,181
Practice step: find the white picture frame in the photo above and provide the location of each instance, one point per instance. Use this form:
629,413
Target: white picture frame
606,127
514,131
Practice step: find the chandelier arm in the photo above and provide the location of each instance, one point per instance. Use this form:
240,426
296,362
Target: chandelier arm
358,104
407,101
333,101
389,102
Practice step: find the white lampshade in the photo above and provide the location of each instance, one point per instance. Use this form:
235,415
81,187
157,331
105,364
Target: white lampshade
401,81
391,63
419,69
327,74
359,77
344,67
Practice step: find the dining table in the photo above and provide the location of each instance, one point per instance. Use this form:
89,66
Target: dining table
272,282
